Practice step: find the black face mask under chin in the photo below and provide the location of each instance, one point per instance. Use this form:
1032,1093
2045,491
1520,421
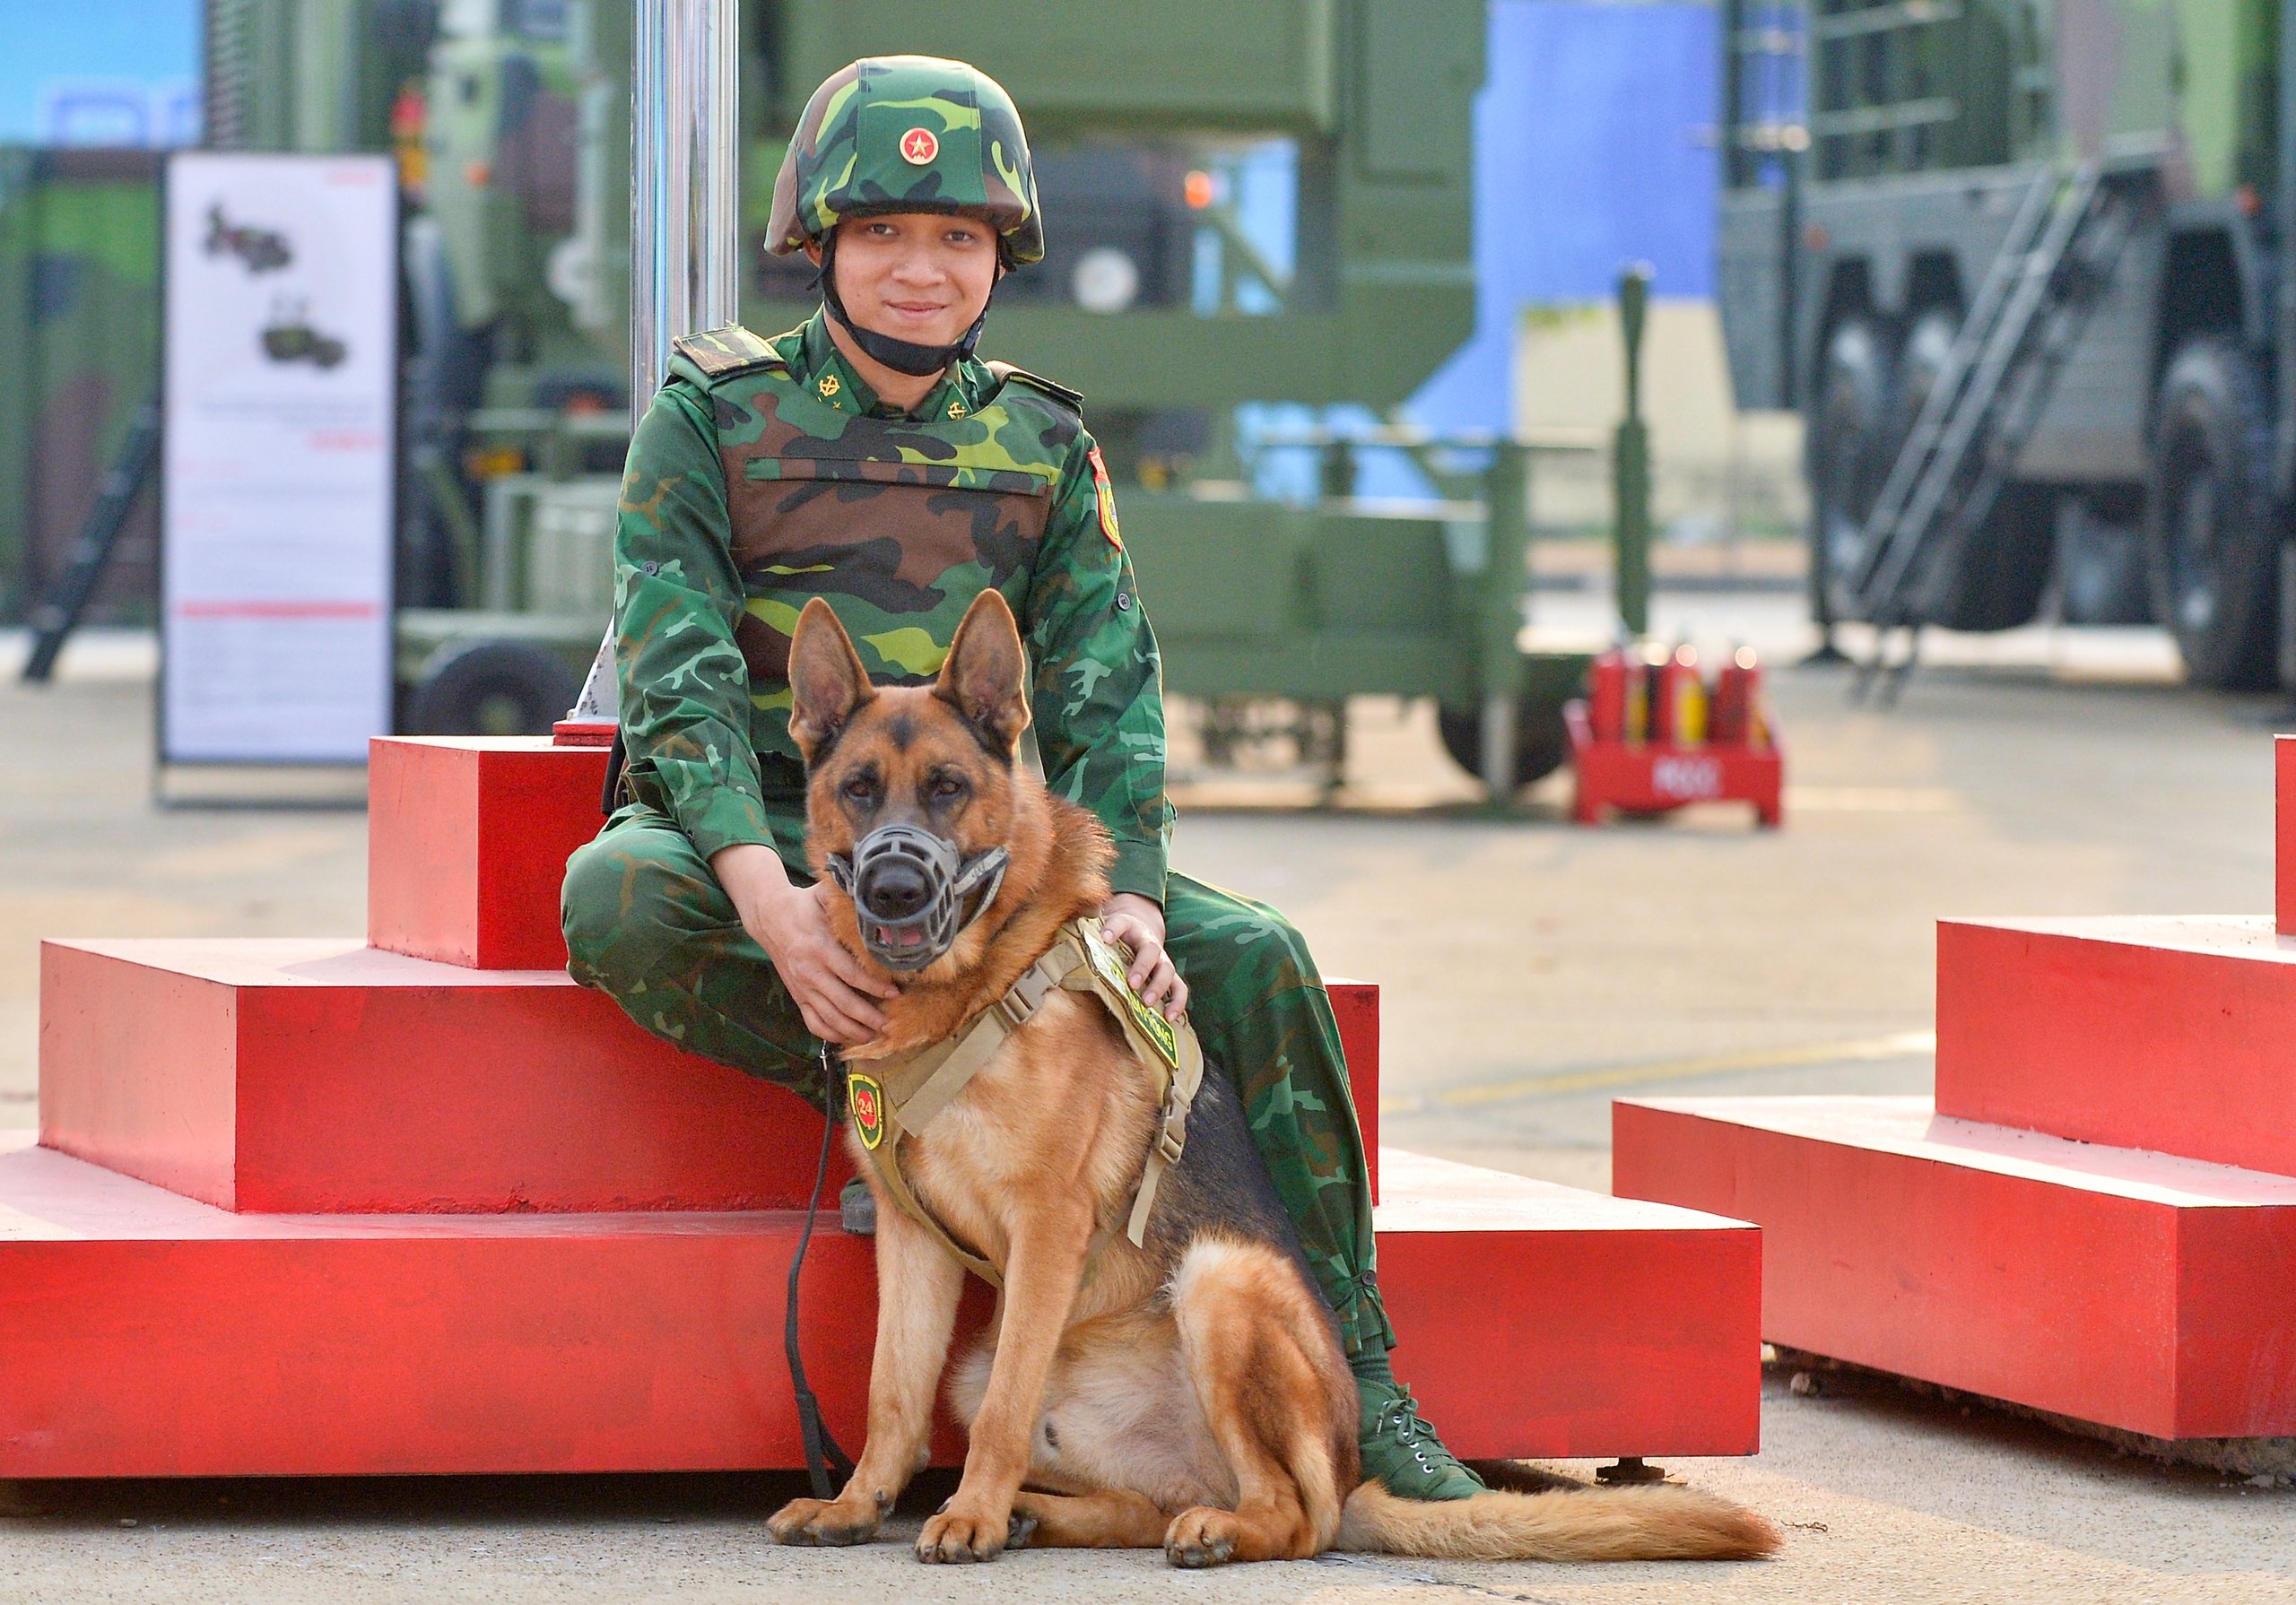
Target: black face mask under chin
902,356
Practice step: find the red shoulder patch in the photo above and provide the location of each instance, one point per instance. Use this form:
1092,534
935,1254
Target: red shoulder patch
1106,493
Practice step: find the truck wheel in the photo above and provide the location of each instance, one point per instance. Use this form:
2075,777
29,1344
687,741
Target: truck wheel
492,688
2209,517
1541,742
1849,459
1997,580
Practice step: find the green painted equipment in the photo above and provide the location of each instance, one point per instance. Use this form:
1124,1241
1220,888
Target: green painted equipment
1158,297
1140,135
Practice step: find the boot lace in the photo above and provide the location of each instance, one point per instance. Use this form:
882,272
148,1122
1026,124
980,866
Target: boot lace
1399,1418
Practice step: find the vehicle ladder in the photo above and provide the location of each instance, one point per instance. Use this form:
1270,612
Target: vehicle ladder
1988,395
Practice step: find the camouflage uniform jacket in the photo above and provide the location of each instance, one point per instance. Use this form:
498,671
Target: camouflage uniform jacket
767,472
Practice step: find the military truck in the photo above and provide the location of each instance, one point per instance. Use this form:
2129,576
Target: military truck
2018,263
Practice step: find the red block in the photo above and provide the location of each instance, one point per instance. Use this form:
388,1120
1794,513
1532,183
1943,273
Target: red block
1532,1314
2151,1294
467,839
1355,1004
2283,797
2169,1034
292,1074
149,1335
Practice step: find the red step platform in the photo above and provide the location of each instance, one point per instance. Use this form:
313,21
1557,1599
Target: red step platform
2152,1294
415,1215
2283,883
320,1075
150,1335
467,839
2170,1034
2097,1215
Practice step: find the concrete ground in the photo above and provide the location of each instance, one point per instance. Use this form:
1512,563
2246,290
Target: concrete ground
1533,971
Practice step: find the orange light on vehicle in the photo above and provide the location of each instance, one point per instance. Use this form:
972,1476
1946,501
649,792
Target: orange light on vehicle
1198,190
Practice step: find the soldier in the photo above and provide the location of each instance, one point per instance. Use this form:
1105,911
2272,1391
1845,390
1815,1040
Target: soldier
867,457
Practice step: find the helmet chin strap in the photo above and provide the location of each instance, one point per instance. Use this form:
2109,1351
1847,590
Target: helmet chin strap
902,356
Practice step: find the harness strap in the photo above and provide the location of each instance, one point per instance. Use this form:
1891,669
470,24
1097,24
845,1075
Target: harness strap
1171,1136
913,1090
922,1084
886,1162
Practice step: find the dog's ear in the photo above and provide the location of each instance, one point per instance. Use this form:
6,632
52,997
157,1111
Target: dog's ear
984,678
827,682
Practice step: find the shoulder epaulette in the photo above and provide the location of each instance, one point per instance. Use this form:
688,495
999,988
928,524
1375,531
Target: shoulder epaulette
1008,374
730,350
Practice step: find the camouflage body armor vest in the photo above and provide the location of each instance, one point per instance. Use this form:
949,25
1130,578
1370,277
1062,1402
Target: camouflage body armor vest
897,524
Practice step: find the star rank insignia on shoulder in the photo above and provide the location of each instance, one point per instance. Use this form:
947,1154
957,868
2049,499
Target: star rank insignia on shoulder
1106,494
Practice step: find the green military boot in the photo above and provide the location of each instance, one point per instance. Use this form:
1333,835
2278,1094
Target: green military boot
1402,1452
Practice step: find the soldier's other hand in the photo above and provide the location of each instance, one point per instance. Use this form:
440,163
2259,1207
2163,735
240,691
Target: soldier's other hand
1139,923
836,995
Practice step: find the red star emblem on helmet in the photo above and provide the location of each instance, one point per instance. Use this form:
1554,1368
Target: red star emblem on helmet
918,146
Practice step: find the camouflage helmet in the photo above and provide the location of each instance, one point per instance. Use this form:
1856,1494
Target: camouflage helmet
907,134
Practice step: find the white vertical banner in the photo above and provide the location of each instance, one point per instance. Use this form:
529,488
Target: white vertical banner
280,457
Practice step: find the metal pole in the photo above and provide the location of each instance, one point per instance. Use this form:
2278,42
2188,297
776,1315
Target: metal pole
684,209
1631,463
1507,525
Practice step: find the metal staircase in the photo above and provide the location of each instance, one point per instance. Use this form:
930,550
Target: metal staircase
1996,381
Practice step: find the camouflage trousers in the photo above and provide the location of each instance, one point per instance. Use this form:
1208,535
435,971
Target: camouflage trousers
648,923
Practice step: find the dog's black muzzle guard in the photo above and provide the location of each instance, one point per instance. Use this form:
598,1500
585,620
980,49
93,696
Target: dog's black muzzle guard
914,893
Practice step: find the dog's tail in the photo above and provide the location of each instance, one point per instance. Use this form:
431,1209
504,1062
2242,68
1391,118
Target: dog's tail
1658,1523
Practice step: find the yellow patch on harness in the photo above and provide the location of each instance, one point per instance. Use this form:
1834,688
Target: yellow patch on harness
1109,965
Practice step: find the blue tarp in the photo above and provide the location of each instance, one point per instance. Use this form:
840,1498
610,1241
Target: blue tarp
1592,150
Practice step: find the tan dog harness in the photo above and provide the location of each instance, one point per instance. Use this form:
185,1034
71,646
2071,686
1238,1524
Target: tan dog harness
892,1098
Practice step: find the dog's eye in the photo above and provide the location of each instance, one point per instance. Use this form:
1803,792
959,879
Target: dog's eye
945,786
861,788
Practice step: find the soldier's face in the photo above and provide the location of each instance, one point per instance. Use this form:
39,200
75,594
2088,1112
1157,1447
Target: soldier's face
917,276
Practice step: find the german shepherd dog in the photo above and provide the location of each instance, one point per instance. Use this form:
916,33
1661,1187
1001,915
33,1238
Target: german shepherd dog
1191,1393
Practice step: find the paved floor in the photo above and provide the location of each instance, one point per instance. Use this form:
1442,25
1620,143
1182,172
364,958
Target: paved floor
1533,971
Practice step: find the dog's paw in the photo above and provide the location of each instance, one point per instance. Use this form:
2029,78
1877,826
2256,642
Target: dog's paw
823,1521
1202,1537
957,1535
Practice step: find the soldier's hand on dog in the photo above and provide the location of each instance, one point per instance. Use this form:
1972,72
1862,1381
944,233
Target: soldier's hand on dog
1139,924
833,992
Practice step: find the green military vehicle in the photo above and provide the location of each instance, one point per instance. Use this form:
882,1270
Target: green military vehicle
1158,297
2019,264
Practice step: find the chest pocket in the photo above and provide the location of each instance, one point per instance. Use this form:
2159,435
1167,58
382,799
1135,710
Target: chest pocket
898,548
817,510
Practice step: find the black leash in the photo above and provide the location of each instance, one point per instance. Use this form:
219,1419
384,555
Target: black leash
823,1458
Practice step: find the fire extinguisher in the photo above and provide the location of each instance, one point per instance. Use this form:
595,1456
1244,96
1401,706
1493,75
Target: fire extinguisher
1606,696
1646,714
1678,700
1737,701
